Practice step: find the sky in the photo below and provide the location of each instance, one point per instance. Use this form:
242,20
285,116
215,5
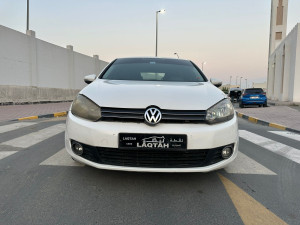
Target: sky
230,35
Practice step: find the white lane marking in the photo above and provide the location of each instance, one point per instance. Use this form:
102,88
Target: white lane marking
246,165
273,146
287,134
35,137
5,154
14,126
61,158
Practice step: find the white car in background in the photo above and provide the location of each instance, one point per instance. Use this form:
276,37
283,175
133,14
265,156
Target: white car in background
152,115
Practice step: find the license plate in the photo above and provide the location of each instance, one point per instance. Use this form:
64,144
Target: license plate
254,97
152,141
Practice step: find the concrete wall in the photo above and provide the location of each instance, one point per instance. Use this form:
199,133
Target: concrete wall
284,69
34,70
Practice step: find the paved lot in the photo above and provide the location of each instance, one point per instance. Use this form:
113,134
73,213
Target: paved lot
11,112
283,115
40,184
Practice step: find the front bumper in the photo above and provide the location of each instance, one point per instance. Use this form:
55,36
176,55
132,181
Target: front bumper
105,135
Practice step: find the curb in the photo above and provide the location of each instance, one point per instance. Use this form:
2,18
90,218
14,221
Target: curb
57,114
32,103
265,123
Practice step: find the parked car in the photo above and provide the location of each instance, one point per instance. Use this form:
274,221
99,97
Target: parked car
235,94
152,115
254,96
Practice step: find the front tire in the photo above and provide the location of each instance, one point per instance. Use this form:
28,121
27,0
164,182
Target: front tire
241,105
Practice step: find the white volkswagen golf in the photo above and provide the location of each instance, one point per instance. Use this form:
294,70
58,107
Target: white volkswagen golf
152,115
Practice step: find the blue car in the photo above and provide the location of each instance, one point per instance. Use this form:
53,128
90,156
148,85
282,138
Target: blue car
253,96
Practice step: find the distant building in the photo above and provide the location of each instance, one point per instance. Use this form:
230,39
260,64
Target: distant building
229,86
235,86
284,56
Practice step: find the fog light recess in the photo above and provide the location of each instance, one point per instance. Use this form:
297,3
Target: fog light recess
77,148
226,152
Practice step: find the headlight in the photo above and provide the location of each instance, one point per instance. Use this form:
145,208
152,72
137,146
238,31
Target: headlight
222,111
85,108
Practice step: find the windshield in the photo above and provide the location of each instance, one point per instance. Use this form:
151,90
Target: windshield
254,91
153,70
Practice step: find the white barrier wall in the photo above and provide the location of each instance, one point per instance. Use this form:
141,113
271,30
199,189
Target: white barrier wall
284,69
36,67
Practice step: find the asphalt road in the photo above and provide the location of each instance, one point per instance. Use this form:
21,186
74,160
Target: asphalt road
40,184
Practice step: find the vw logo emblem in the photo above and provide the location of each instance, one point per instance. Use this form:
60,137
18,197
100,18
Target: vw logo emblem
152,116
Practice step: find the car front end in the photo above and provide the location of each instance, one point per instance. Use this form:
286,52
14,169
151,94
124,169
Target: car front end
152,126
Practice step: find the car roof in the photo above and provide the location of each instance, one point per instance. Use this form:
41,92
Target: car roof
153,57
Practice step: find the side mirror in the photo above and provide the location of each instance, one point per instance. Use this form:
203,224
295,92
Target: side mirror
89,78
216,82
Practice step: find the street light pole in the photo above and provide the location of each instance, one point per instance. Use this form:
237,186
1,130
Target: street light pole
241,82
160,11
203,63
27,24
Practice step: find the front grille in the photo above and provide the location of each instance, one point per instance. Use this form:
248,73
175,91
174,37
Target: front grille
152,158
168,116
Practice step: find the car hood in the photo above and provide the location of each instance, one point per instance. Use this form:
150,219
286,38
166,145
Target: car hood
142,94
